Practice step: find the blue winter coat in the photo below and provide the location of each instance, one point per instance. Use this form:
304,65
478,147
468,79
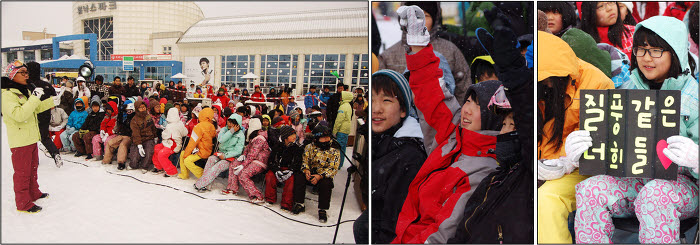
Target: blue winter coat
311,99
77,118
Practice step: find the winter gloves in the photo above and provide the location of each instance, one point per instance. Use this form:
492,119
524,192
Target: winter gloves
103,135
241,158
283,175
682,151
38,92
141,151
413,18
237,169
577,143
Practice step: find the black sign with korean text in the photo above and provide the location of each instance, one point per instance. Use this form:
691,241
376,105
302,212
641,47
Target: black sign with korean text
629,130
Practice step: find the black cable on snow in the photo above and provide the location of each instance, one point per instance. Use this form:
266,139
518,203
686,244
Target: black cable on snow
220,199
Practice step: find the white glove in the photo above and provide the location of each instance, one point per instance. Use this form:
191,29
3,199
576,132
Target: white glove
577,143
38,92
241,158
237,169
287,174
195,150
279,175
56,100
104,136
413,18
682,151
553,168
141,151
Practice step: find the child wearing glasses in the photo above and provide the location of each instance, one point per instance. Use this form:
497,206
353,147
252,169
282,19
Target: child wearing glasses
660,62
603,22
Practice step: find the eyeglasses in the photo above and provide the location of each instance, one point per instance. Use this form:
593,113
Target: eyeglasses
653,52
602,5
26,73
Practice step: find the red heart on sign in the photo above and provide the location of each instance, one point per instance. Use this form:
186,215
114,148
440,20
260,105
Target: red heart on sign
660,146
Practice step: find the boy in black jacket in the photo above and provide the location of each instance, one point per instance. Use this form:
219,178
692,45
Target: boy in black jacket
285,160
91,127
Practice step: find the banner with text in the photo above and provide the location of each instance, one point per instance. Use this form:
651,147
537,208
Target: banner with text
629,130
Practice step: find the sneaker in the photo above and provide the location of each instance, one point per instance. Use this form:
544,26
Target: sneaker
168,175
257,200
157,171
32,210
58,160
44,195
78,154
121,167
322,216
200,190
226,192
298,208
89,156
144,171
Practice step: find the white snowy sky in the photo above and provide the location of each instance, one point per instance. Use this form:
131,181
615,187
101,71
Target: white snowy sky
56,17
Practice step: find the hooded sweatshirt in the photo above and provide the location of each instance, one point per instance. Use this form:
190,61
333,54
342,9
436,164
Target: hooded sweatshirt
142,126
110,121
586,49
77,118
231,143
257,151
557,59
93,119
202,135
174,131
397,155
343,120
59,118
674,33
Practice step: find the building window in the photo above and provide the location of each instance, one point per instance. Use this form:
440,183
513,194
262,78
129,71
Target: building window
63,52
319,69
158,73
29,56
167,49
278,70
104,30
234,67
360,70
46,54
11,57
110,72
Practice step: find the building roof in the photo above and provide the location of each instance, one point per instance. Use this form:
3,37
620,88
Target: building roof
329,23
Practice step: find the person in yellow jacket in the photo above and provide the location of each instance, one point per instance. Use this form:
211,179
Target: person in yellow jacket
561,76
341,128
200,145
19,112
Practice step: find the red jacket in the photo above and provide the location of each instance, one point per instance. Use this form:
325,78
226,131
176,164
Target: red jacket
258,97
678,11
190,125
437,195
108,123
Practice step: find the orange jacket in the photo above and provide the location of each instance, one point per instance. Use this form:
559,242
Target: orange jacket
556,58
202,135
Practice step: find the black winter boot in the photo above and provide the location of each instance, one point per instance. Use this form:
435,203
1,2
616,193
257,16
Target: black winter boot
322,216
121,167
298,208
89,156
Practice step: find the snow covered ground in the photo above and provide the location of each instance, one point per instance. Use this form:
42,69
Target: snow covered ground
96,204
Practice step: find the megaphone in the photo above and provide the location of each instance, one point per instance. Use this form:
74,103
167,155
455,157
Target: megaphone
86,70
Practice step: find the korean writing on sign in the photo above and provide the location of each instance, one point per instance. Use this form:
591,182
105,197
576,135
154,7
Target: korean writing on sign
94,7
626,127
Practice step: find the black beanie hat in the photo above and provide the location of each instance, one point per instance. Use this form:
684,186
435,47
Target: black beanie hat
484,91
286,131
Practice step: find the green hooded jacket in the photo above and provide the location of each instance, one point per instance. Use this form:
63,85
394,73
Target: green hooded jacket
232,143
344,118
19,114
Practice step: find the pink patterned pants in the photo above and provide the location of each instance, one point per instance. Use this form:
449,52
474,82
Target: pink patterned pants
97,144
213,168
244,176
659,205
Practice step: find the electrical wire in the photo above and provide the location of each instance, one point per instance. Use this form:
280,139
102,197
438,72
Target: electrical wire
220,199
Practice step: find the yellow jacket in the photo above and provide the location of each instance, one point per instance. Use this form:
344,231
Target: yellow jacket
556,58
202,135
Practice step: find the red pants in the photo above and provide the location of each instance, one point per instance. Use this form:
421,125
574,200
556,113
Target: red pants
25,161
161,161
57,139
287,191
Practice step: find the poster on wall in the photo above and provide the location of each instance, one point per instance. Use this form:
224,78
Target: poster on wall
200,70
